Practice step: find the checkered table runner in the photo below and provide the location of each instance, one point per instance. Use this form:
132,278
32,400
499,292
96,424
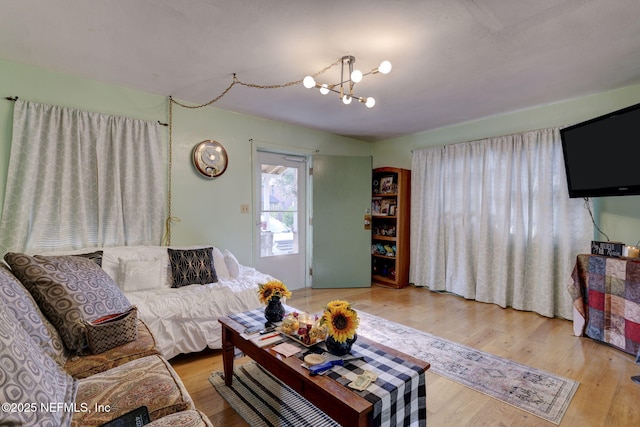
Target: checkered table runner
398,395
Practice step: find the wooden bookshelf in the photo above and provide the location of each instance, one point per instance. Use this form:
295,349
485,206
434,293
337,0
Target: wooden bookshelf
390,232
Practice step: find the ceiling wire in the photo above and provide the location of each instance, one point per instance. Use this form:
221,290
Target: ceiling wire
236,81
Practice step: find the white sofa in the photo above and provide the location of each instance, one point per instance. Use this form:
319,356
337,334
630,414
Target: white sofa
184,319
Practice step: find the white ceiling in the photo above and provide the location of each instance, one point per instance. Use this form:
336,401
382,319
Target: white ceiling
453,60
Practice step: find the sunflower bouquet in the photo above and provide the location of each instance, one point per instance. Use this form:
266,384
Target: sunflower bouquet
341,320
273,288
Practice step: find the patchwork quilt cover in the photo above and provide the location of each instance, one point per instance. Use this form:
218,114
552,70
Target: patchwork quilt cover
606,293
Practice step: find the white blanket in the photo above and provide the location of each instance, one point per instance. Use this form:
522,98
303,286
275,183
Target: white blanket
185,320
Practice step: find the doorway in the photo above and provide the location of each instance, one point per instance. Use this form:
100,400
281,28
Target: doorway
281,225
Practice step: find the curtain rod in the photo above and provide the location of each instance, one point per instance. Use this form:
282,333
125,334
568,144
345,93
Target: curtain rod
15,98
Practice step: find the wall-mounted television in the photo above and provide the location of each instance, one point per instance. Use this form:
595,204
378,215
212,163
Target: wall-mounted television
600,155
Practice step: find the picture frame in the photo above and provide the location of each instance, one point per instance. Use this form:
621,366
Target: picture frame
375,206
386,184
385,206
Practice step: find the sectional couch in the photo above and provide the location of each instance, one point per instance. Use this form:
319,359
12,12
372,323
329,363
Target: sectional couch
49,375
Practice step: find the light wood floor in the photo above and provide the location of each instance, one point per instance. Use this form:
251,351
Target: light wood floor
606,395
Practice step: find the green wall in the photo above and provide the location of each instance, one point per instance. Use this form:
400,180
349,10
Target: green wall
209,210
618,217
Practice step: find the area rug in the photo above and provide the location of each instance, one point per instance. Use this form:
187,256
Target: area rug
540,393
264,401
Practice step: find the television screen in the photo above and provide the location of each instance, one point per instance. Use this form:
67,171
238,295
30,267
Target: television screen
600,155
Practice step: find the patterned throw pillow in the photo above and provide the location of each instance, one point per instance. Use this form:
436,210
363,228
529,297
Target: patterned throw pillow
68,289
192,266
30,377
20,302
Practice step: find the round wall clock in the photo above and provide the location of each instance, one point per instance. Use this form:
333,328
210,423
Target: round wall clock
210,158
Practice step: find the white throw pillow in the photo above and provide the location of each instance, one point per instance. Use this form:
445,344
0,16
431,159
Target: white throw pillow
112,257
232,264
219,264
140,275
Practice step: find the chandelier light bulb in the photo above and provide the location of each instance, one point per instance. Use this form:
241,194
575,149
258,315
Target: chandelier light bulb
349,77
384,67
309,82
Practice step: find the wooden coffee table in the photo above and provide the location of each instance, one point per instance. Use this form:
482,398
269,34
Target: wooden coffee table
334,399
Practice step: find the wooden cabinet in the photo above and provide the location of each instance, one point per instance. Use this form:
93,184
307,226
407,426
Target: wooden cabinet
390,212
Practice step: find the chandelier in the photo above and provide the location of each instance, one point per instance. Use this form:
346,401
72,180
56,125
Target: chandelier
348,78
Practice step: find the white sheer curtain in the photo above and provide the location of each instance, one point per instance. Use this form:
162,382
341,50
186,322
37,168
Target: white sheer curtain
82,179
491,220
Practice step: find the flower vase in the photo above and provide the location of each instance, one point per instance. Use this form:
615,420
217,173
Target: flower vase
274,311
339,348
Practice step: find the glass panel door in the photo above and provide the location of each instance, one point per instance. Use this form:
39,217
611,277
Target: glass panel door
281,217
278,210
